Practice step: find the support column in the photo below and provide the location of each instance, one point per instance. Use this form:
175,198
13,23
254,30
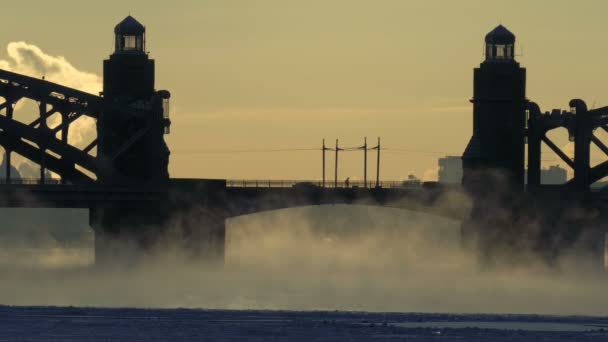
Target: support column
125,234
534,160
65,126
323,161
378,165
365,163
197,219
582,145
9,115
43,126
605,250
206,237
7,154
534,137
336,167
129,235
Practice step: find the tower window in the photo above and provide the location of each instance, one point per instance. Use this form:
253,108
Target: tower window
500,51
129,43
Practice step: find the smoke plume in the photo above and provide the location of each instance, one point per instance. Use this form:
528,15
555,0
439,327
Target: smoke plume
30,60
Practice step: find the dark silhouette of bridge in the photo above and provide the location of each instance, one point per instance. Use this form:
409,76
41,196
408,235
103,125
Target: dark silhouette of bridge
126,183
122,175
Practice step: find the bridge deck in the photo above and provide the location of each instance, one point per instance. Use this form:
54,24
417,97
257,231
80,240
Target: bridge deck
232,200
274,183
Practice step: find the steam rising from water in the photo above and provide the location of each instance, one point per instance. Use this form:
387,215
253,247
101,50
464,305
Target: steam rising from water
346,258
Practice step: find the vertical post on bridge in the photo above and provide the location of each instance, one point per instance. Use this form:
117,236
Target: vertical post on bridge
582,141
534,137
43,126
65,126
336,166
7,152
324,149
378,165
365,162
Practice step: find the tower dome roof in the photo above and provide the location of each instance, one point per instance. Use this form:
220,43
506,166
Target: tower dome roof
500,35
129,26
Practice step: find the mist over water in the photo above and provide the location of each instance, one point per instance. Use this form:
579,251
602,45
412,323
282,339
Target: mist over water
314,258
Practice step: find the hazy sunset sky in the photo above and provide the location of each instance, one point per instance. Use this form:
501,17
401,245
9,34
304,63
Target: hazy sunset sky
281,74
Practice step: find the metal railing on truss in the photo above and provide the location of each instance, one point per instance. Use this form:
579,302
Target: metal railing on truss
29,181
247,183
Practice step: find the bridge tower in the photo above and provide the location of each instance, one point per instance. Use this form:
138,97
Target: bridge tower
493,161
129,80
499,113
131,148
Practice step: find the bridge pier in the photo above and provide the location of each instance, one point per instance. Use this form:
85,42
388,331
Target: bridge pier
128,235
198,212
187,221
552,225
125,235
199,233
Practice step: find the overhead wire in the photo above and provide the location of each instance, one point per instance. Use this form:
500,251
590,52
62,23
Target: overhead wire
235,151
276,150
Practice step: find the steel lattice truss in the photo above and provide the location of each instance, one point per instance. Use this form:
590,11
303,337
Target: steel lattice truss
581,124
38,142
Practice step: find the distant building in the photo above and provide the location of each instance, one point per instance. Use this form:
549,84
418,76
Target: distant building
553,175
450,170
411,182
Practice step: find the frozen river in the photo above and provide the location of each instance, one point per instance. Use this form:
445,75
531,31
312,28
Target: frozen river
88,324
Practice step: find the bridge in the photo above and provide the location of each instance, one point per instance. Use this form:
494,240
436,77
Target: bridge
195,210
122,175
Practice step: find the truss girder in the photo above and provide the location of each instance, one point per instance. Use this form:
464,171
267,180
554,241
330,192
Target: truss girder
62,167
558,151
33,140
17,86
580,123
45,139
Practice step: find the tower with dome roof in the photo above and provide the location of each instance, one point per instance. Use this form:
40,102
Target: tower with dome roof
129,81
499,113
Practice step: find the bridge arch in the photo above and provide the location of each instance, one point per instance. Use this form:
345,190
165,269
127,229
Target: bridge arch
429,211
443,202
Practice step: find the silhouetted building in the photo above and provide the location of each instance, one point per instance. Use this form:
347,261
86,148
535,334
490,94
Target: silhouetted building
450,170
553,175
493,161
411,182
129,81
499,116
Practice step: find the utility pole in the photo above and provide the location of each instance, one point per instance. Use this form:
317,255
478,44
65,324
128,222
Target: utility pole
336,164
378,165
365,163
324,149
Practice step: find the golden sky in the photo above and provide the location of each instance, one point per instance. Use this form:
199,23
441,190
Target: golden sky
281,74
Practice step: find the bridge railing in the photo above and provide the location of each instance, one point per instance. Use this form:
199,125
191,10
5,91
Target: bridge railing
29,181
252,183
